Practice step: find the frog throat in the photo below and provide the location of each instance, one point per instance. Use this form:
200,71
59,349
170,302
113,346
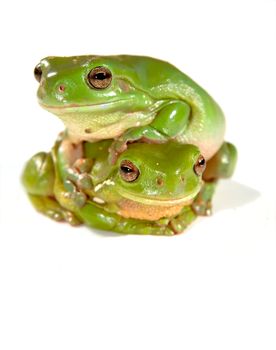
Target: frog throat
101,121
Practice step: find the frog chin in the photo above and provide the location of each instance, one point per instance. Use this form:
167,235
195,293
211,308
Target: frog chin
156,201
99,121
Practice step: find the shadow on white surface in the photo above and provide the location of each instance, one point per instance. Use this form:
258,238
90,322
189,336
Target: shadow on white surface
231,195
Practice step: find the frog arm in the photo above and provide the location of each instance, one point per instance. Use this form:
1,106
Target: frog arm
72,169
221,165
202,204
172,119
169,122
97,217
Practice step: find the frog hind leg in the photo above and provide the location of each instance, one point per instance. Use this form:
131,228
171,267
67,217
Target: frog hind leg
220,166
38,180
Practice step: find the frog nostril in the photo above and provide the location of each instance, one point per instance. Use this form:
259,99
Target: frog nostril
182,178
61,88
159,181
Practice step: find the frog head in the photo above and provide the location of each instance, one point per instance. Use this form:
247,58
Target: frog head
158,174
97,97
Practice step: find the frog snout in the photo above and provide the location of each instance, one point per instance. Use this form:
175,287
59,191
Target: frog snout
172,185
160,181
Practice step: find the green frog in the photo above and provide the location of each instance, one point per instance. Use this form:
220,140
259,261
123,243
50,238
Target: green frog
128,98
156,189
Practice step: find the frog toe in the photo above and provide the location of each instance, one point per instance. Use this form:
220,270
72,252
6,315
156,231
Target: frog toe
52,209
202,208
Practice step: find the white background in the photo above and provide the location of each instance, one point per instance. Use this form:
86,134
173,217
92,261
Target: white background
210,288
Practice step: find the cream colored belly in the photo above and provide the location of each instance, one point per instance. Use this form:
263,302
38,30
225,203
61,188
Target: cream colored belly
135,210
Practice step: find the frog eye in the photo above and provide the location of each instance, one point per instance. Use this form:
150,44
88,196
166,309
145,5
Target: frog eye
128,171
38,72
200,165
99,77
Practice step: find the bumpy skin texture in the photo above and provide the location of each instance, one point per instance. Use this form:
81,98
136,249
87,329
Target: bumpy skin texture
147,98
164,199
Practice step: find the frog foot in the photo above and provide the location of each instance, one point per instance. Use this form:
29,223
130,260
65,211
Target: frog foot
76,196
164,227
51,208
179,223
202,208
148,228
83,165
79,174
117,147
78,181
60,214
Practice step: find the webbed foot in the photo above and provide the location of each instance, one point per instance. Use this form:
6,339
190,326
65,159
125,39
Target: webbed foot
179,223
202,208
117,147
78,180
51,208
202,204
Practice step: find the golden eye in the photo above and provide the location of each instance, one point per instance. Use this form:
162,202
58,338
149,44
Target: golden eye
200,165
38,72
99,77
128,171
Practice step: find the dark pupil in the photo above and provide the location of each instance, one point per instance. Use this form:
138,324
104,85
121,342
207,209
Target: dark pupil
126,169
100,76
201,162
38,73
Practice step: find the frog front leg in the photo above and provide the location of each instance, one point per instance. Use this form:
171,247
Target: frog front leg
202,204
38,178
220,166
169,122
73,168
95,216
179,223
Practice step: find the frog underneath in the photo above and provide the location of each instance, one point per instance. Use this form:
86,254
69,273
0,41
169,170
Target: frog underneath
151,189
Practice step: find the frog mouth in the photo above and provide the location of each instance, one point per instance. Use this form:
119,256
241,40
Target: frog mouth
73,108
101,121
185,200
124,105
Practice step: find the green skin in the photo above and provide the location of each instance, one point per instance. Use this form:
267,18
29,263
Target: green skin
54,189
147,98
